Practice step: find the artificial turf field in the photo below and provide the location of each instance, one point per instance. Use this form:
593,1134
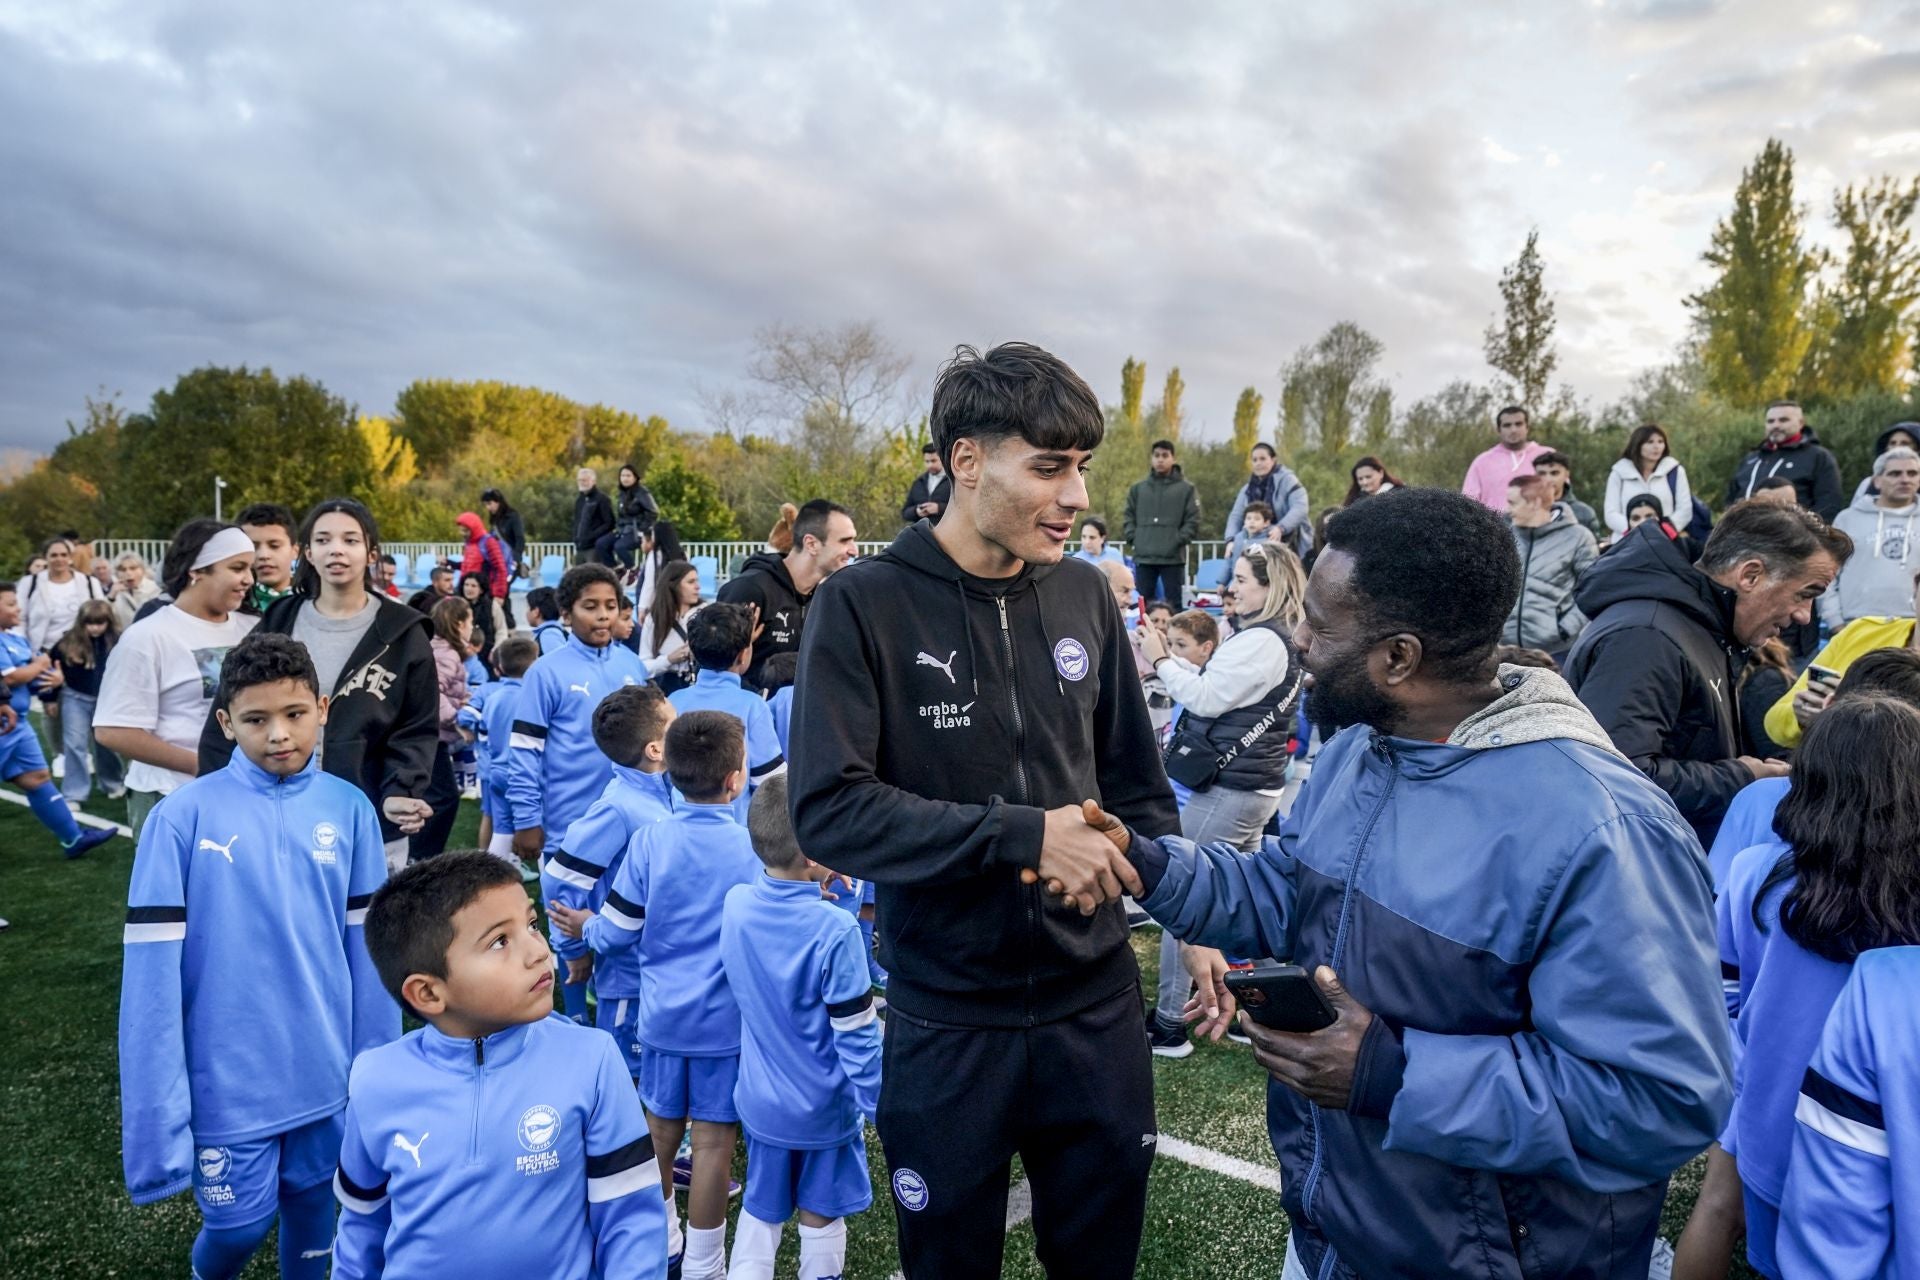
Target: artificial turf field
64,1211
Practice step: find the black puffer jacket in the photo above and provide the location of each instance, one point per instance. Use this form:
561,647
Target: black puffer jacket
1659,667
383,723
1259,763
764,583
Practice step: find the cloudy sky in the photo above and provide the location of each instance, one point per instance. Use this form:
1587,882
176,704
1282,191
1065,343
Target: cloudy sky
608,199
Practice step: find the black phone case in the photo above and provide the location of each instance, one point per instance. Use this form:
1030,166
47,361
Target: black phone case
1283,997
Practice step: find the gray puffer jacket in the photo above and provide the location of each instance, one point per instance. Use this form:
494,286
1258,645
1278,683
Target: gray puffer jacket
1552,558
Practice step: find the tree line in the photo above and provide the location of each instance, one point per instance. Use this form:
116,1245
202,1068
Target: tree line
828,411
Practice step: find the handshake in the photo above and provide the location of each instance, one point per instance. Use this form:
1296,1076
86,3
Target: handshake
1083,858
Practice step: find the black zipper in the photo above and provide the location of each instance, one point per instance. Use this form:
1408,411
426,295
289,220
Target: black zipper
479,1094
1031,893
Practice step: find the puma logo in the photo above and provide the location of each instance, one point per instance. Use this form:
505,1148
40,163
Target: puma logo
224,850
928,660
411,1148
580,689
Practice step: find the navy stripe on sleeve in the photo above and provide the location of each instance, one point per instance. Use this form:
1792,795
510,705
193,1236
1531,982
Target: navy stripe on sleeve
529,729
1729,972
842,1008
1842,1102
156,915
635,1152
359,901
770,768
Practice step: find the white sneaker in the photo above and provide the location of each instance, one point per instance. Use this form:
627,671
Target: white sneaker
59,767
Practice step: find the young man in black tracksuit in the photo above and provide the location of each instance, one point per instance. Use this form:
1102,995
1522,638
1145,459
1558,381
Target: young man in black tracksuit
959,695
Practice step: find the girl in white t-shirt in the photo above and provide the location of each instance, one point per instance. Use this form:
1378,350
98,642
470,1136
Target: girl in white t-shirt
161,679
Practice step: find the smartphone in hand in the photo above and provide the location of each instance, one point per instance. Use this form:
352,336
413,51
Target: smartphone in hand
1281,996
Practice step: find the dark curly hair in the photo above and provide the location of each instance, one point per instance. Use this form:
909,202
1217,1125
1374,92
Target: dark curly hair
265,657
1436,564
1849,820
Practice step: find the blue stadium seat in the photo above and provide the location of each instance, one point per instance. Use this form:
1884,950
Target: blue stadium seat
551,567
423,566
707,569
1212,574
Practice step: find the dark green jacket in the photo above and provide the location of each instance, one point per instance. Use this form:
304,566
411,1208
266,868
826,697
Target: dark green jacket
1163,516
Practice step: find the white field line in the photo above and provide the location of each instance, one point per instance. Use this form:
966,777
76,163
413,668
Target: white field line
1199,1157
84,819
1020,1198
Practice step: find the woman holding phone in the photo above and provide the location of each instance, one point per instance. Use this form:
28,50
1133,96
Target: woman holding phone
1802,704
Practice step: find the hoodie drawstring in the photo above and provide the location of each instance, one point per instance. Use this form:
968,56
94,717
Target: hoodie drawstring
966,625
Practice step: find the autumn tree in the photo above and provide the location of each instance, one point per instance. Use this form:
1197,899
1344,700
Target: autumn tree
1520,343
1133,384
1172,417
1246,420
1754,317
1862,342
1330,387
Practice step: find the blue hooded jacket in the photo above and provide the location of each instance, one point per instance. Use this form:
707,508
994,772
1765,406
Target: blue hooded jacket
1852,1202
247,988
809,1040
521,1154
555,770
1549,1041
579,871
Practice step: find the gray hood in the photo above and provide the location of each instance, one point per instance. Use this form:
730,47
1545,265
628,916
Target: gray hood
1537,706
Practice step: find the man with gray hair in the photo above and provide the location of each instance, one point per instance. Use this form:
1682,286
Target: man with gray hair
592,516
1659,664
1878,583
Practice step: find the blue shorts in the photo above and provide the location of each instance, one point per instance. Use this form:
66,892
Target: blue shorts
619,1017
493,802
20,751
674,1087
1763,1224
241,1183
832,1182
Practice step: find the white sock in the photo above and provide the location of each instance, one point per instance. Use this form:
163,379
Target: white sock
706,1253
754,1245
823,1251
501,846
676,1241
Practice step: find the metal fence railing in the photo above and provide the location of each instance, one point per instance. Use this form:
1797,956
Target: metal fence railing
542,557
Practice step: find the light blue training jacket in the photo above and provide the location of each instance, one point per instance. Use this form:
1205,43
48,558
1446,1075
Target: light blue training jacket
246,989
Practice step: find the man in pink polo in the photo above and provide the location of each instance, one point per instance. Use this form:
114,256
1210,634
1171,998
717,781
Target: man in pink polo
1491,472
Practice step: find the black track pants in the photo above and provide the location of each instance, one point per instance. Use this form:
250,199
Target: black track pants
1074,1099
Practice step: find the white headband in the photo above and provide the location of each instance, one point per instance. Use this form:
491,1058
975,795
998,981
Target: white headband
224,545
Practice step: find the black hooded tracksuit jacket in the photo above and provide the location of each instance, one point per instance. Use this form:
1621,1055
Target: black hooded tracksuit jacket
936,718
383,717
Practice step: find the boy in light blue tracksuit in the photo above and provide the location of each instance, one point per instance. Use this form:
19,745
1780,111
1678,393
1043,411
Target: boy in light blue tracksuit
21,760
721,637
776,681
500,1140
554,769
247,989
809,1053
630,728
514,656
1852,1205
666,902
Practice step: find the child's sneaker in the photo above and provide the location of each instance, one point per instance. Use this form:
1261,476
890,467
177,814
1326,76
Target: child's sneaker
1168,1042
683,1176
90,838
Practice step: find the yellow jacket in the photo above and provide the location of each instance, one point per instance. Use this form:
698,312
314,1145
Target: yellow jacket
1862,635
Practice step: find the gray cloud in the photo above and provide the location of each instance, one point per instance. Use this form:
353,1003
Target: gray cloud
609,202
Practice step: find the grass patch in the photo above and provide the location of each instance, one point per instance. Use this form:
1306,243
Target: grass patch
64,1210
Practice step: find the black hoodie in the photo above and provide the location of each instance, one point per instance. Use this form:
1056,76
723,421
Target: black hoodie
1659,667
1806,462
936,717
764,581
383,723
